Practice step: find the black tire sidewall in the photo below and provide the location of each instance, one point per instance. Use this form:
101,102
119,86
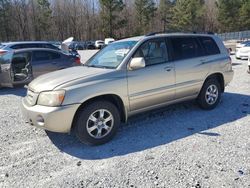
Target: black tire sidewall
83,115
201,99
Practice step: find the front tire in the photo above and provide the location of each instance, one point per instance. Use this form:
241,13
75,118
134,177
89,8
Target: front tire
97,123
210,94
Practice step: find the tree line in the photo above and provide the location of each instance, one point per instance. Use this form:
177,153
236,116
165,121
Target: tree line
97,19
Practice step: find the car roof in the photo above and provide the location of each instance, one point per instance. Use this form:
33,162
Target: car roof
25,42
36,49
138,38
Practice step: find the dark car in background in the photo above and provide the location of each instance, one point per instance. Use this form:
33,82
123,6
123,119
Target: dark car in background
56,43
90,45
5,47
23,65
27,44
74,46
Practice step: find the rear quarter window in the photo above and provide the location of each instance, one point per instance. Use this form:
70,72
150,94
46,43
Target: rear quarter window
51,46
209,45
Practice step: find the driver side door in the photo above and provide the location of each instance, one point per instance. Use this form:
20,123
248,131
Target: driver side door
152,85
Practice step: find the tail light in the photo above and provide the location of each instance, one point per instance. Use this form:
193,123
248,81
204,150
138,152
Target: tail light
78,60
2,52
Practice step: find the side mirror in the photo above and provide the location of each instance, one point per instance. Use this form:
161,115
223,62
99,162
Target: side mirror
137,63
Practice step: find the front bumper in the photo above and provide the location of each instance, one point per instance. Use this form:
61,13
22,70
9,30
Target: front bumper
56,119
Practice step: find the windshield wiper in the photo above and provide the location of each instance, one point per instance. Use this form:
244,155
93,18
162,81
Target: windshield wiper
100,66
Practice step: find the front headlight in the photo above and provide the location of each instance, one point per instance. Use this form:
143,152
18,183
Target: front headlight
51,98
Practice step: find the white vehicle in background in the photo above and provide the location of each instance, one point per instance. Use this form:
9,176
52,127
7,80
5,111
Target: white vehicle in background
108,41
99,44
248,69
242,44
243,52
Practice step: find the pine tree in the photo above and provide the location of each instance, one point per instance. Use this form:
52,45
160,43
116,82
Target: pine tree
110,20
165,13
43,19
228,14
187,15
245,16
145,10
5,20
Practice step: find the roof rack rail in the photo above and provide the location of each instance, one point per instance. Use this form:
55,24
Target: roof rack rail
205,32
154,33
194,32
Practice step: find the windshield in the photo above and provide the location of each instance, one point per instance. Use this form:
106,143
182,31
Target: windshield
112,55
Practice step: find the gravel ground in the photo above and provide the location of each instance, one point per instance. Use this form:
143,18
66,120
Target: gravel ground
179,146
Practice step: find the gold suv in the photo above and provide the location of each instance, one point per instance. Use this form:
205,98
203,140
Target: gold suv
127,77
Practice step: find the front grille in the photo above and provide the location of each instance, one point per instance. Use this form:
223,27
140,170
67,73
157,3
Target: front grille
31,97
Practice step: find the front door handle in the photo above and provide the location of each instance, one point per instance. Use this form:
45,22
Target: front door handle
168,69
203,61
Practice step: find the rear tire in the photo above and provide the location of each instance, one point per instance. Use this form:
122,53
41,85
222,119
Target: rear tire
97,123
210,94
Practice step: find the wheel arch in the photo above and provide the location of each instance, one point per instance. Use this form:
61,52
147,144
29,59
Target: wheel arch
113,98
219,77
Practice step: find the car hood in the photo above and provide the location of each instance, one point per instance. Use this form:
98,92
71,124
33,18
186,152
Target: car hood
52,80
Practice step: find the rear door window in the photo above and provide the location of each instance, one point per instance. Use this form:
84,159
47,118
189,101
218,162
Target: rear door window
54,55
186,47
209,45
41,56
30,46
45,56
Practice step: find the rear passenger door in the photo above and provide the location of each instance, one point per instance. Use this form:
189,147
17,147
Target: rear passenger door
190,65
45,61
